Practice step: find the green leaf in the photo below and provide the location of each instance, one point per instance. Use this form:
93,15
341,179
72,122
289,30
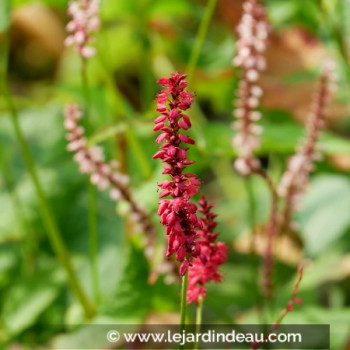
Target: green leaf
25,301
278,138
133,297
281,12
284,138
5,17
129,305
325,214
338,319
333,144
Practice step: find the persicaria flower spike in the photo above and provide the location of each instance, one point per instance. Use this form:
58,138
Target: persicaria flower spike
252,32
295,180
178,214
102,174
84,22
205,268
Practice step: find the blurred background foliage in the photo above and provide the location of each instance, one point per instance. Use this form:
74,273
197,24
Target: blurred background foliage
140,41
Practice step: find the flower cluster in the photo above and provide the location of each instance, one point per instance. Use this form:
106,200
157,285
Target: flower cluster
85,21
295,180
253,32
102,174
178,214
205,267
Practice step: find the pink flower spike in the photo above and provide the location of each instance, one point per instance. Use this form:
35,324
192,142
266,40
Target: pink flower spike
252,33
295,180
84,22
178,214
205,267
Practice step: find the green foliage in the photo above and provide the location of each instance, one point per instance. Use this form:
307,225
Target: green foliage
4,16
133,296
139,41
321,221
26,300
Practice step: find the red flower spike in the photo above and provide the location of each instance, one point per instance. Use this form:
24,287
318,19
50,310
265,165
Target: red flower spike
205,267
178,214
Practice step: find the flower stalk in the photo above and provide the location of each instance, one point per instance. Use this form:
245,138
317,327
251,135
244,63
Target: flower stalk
84,22
271,231
199,313
49,222
183,304
290,305
295,180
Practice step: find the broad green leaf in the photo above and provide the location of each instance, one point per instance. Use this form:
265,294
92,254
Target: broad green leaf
91,336
281,12
132,299
338,319
25,301
129,305
278,138
325,213
333,144
284,138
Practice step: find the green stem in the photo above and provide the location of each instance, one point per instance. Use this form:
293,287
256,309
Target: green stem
198,320
93,238
147,88
92,212
47,216
29,246
138,152
86,92
251,218
54,234
183,306
201,34
251,204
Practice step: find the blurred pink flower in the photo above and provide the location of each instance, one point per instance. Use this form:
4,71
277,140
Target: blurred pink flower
252,32
103,174
205,267
295,180
178,214
84,22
